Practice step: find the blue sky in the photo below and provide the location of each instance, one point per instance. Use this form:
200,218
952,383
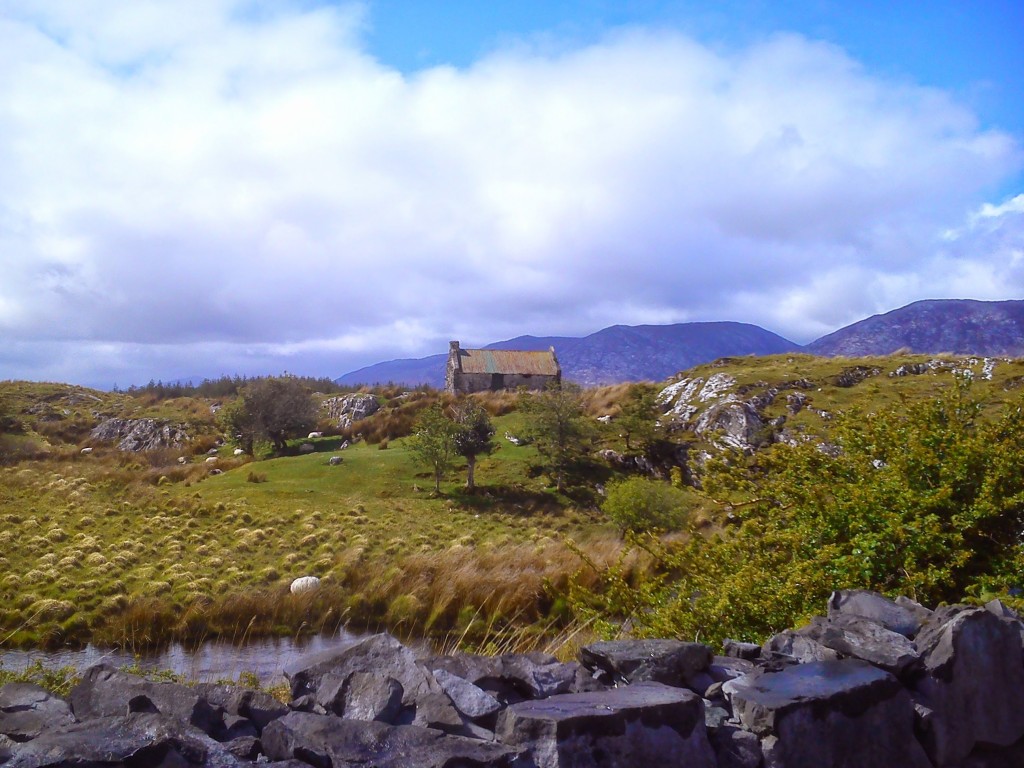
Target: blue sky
197,187
974,50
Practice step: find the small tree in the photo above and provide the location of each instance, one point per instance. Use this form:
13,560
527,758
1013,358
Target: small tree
639,504
638,420
433,442
271,409
557,427
281,408
472,436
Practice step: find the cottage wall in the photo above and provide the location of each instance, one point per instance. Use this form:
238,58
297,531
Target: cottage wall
467,383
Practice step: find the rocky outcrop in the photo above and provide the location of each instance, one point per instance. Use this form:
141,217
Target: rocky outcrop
348,409
140,434
875,682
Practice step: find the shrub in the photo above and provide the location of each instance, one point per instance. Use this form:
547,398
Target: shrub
639,504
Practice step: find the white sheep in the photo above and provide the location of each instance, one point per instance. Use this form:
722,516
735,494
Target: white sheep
87,451
314,434
211,460
304,584
239,451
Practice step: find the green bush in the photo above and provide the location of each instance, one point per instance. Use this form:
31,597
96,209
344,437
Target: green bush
924,500
639,504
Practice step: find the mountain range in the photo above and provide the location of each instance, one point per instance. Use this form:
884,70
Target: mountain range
655,352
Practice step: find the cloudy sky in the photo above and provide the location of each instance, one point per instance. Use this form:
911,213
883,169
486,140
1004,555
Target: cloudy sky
197,187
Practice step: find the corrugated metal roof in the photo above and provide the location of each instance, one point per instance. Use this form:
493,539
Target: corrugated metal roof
508,361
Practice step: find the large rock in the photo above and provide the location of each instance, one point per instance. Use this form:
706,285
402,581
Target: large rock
829,714
516,677
862,638
326,740
471,700
904,617
141,739
380,655
27,710
798,647
672,662
348,409
258,707
972,689
140,434
361,696
733,424
107,692
645,724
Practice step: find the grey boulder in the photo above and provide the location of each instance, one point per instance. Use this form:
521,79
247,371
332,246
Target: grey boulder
145,739
27,710
862,638
828,714
326,740
904,616
379,654
971,691
672,662
644,724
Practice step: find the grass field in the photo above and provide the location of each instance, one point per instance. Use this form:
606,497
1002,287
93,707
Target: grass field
91,553
137,549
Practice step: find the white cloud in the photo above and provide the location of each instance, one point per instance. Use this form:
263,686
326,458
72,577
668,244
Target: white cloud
200,185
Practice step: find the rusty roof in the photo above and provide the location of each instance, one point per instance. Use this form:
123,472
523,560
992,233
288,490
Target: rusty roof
508,361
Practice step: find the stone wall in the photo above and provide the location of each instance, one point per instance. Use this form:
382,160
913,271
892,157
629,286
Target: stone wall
875,682
467,383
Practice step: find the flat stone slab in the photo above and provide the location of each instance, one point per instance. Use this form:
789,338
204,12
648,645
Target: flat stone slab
671,662
642,724
827,713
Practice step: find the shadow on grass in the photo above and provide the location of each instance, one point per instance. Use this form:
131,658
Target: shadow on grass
510,499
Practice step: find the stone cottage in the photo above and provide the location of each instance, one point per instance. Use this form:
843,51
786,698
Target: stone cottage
483,370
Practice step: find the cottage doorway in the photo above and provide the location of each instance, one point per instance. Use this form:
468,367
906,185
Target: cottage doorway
497,382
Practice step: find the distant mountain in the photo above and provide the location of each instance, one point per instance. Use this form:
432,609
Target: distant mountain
612,355
959,326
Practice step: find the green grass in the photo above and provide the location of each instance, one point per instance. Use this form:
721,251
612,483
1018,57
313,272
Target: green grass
137,549
91,552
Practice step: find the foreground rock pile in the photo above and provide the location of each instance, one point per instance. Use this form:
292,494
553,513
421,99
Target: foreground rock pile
874,683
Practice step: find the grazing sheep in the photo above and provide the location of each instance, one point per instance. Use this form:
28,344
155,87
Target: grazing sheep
87,450
238,451
211,460
307,448
211,452
314,434
304,584
334,461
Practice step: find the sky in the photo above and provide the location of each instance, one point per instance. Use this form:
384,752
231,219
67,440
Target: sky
190,188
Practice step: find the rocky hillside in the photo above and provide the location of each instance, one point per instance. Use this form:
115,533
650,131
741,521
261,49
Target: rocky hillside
612,355
747,403
957,326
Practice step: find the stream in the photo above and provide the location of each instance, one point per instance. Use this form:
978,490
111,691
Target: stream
210,661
